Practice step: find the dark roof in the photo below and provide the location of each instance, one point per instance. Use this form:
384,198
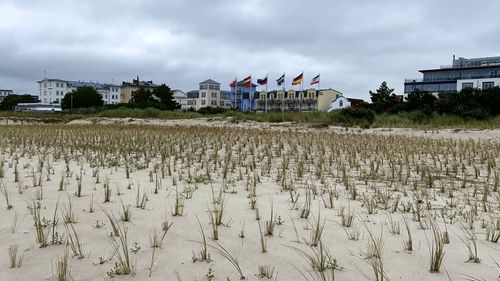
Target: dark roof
53,79
193,94
210,81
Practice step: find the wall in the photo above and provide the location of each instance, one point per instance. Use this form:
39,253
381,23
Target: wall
339,103
477,83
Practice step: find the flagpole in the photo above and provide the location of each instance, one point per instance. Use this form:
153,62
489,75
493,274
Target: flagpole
266,90
302,91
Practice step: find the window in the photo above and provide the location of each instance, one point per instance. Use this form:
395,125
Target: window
203,102
214,94
487,85
214,102
467,85
221,103
203,94
341,103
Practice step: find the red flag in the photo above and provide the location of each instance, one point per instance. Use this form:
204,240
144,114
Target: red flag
234,83
247,82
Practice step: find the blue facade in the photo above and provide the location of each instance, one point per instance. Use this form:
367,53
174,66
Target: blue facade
244,98
444,79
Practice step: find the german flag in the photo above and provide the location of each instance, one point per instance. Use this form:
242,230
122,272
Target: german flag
298,80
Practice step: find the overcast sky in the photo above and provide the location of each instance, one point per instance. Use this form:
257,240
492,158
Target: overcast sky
355,45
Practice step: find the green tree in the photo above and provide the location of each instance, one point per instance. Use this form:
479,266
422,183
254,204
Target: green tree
383,99
9,102
421,100
165,97
143,97
81,98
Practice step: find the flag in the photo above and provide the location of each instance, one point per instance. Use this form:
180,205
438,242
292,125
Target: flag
298,80
234,83
247,82
262,82
315,80
281,80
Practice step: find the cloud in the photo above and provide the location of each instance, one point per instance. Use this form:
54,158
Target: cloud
354,45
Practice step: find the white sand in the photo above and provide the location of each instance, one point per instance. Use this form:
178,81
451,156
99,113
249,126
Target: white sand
177,251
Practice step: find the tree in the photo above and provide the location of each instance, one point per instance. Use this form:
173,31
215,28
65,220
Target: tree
143,97
165,97
81,98
10,101
383,99
421,100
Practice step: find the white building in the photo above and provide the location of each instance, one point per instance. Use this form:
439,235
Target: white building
53,90
180,98
209,94
5,93
339,103
482,83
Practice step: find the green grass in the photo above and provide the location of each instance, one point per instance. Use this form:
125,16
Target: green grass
315,119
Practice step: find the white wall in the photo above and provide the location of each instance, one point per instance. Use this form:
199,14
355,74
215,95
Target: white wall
477,83
50,91
339,103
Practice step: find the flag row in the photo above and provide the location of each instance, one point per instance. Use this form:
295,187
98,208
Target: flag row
247,82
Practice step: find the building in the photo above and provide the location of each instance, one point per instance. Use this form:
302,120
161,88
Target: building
476,72
181,98
299,101
343,102
39,107
208,94
5,93
129,88
243,98
53,90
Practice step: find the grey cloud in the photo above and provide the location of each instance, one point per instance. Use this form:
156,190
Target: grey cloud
355,45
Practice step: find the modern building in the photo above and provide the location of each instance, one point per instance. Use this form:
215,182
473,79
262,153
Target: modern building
208,94
243,98
129,88
53,90
5,93
299,101
463,73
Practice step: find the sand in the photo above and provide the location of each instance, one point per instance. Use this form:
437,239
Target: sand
175,259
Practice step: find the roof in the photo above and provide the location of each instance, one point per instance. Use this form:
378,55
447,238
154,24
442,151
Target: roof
210,81
52,79
97,86
459,68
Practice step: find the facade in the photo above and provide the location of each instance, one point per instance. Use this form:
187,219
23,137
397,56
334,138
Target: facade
208,94
299,101
53,90
40,107
128,88
180,98
483,83
243,98
339,103
448,79
5,93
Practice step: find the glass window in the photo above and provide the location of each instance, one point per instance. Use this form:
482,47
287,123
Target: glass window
487,85
341,103
203,94
203,102
467,85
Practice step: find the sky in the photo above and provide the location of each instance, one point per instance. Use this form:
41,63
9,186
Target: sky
353,45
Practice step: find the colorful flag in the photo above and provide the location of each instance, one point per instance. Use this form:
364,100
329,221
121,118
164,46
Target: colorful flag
298,80
234,83
281,80
247,82
315,80
262,82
